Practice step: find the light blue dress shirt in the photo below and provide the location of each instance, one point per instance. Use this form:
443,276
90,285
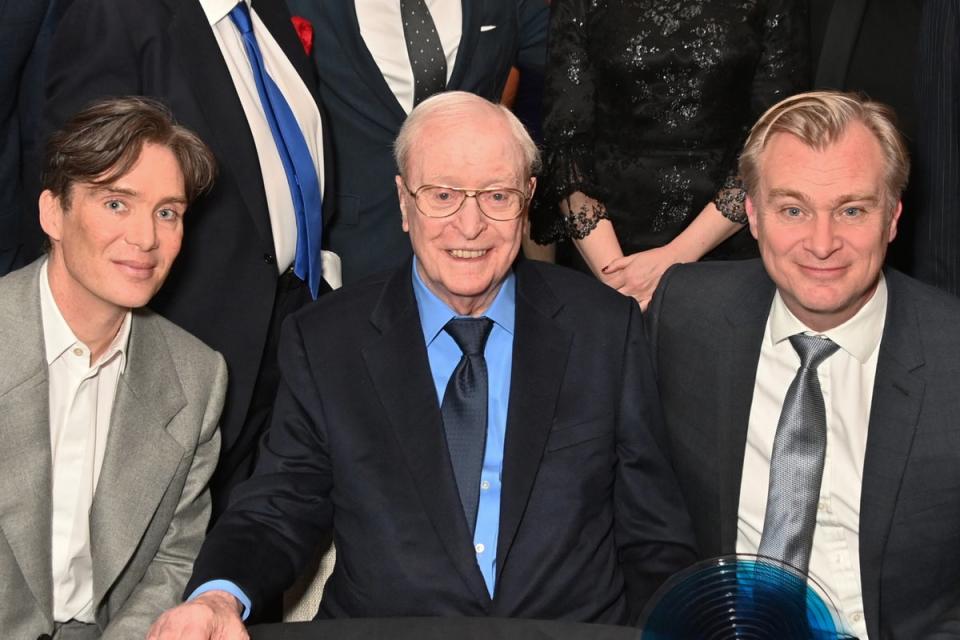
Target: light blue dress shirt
443,355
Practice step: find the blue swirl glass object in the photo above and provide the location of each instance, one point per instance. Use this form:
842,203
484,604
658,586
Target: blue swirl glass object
741,597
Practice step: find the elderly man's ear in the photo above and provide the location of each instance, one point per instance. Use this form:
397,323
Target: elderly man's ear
51,215
401,192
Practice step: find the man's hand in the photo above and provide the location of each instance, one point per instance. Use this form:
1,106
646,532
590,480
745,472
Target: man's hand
214,615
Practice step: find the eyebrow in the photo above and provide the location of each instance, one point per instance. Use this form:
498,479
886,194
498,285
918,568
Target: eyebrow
115,190
842,199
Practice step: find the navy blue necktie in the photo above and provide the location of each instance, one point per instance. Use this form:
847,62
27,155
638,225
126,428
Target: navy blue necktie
464,410
295,155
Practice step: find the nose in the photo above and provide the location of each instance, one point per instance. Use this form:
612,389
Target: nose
470,220
824,238
141,231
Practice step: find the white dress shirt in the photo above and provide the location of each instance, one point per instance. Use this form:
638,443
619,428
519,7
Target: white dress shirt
283,221
81,402
846,380
381,28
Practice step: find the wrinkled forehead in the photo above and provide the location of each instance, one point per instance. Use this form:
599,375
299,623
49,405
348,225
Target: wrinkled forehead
480,146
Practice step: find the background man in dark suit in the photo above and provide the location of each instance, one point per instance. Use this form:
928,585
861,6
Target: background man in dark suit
873,502
231,286
551,498
937,241
361,54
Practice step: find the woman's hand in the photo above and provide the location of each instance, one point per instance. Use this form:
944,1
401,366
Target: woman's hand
638,274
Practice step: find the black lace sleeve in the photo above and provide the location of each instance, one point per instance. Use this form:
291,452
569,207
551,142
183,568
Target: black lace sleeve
568,121
783,70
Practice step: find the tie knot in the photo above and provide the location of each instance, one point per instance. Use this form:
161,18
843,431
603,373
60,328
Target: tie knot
240,15
470,334
812,349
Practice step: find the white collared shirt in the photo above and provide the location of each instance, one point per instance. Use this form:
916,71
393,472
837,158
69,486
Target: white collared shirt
381,28
81,403
846,380
283,221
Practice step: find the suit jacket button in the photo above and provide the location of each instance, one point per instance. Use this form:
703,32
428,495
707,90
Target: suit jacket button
269,258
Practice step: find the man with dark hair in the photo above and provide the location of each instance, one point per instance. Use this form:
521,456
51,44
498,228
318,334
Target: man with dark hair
108,412
812,398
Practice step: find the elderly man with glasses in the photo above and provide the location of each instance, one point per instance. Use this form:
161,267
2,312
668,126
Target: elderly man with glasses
482,434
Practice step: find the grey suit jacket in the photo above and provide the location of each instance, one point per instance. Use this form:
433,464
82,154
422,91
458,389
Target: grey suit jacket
151,507
706,327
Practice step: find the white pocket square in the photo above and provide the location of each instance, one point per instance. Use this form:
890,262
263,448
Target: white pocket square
487,27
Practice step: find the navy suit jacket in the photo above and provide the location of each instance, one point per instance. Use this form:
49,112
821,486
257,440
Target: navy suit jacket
365,116
706,326
223,284
591,520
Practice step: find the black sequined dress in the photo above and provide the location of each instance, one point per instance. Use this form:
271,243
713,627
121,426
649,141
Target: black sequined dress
647,103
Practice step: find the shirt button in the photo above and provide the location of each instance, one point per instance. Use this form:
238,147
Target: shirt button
484,485
857,617
78,351
822,505
480,548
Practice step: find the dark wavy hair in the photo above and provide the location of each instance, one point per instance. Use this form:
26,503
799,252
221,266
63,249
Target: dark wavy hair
103,141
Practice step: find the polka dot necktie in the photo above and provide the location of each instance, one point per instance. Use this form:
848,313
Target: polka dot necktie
426,53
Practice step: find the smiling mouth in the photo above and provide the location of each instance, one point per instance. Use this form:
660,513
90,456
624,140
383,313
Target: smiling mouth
136,269
467,253
823,271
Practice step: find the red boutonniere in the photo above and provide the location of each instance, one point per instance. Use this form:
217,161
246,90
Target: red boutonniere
304,31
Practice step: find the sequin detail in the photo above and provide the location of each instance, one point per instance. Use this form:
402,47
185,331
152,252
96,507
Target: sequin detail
647,103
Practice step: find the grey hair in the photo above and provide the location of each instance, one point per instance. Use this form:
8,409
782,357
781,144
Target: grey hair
461,105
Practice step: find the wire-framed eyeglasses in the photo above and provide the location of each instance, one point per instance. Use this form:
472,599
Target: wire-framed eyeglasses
497,203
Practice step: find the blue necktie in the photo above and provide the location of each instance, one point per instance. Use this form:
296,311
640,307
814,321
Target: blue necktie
295,155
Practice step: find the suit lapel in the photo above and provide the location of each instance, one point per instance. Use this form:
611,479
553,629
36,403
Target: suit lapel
277,20
897,398
400,371
746,313
468,42
343,15
25,484
140,458
540,351
201,63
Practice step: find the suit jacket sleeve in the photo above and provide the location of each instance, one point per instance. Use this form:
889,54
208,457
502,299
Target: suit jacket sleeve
653,529
160,587
277,517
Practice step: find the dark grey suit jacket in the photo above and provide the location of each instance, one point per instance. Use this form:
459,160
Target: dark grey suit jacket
365,116
706,324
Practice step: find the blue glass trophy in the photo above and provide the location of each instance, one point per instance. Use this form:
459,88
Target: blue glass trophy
742,597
